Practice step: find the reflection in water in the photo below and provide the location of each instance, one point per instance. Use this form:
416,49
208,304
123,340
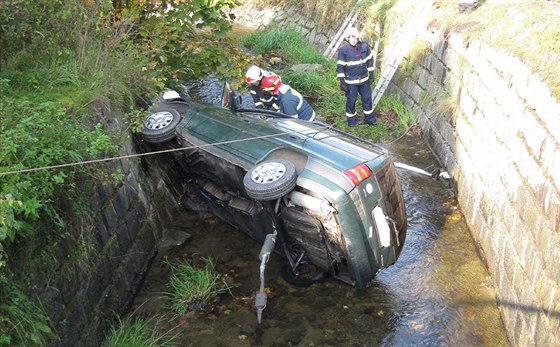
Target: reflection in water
439,285
437,294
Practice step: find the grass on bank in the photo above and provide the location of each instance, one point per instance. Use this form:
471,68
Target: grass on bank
193,288
22,323
137,332
321,88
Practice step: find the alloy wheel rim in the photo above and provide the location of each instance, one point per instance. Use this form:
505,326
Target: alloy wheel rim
267,173
159,120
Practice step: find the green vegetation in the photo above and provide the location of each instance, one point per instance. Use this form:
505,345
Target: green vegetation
287,43
61,64
321,87
58,59
42,134
138,333
22,323
416,53
191,289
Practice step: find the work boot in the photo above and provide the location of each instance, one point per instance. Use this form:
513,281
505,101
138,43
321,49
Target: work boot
352,121
371,119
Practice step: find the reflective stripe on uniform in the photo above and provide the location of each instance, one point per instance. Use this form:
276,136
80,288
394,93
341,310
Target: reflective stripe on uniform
355,62
358,81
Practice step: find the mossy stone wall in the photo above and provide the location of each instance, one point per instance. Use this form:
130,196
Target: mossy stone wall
97,284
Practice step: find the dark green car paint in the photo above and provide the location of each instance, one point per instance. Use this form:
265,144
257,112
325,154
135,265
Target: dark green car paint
246,140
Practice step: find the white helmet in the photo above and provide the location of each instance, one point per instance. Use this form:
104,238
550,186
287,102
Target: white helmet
352,31
254,74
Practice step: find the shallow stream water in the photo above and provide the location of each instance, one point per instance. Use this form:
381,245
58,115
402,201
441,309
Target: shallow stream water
437,294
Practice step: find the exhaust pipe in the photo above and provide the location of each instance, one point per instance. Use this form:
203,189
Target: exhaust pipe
311,203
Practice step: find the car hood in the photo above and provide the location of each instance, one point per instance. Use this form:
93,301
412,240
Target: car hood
248,137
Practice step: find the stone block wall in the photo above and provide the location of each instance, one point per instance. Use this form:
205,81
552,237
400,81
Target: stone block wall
100,274
495,127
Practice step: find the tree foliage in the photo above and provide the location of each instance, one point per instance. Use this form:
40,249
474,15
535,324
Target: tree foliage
186,39
59,56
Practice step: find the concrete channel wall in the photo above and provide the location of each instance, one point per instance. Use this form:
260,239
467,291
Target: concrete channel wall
495,127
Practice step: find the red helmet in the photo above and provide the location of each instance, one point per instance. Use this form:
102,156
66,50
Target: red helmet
271,84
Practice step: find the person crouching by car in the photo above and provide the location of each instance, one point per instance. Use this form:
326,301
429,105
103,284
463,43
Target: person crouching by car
262,99
290,101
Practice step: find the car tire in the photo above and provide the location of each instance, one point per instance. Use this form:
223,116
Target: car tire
309,274
160,125
270,180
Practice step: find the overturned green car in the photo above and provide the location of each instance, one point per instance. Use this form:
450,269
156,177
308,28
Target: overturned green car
332,200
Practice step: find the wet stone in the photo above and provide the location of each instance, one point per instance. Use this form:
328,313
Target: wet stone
172,237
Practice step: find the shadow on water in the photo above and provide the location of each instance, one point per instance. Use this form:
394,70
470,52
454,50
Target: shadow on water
437,294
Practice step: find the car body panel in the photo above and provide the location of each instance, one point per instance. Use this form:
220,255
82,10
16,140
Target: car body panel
244,138
262,137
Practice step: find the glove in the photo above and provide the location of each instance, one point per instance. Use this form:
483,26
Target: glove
342,85
370,80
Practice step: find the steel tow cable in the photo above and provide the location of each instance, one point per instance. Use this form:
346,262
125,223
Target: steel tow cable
101,160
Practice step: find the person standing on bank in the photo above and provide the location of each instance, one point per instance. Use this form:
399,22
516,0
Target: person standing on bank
262,99
354,69
290,101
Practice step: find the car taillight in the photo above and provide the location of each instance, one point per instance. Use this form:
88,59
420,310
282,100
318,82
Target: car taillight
358,173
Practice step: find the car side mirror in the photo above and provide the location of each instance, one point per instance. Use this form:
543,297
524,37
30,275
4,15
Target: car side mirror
227,95
230,99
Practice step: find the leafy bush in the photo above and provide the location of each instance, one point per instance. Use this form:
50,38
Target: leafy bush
170,36
36,135
58,57
37,28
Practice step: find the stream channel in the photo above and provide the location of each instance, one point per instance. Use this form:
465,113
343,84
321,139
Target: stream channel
438,293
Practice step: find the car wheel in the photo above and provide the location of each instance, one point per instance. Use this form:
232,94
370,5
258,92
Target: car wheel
270,180
308,274
160,125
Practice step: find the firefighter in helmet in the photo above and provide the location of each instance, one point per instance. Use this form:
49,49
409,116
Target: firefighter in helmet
262,99
290,101
354,69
